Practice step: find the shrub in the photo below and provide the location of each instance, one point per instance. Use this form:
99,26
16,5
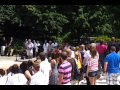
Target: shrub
18,48
103,38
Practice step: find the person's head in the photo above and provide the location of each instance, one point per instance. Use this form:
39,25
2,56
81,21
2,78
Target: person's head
29,63
112,48
87,47
50,42
101,42
92,46
2,72
25,39
38,42
93,50
45,41
9,69
77,48
29,40
36,64
113,39
52,55
68,51
76,55
64,55
82,47
42,56
3,38
24,66
11,38
33,41
15,69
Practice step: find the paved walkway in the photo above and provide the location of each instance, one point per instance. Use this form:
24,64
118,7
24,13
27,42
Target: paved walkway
6,62
101,81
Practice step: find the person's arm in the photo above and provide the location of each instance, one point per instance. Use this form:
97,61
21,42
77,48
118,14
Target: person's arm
88,67
106,64
28,76
60,79
105,67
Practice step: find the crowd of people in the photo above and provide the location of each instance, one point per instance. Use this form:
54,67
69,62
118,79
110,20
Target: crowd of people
57,64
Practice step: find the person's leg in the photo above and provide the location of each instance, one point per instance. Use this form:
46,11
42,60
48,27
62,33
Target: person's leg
94,80
4,50
11,52
1,50
91,80
88,81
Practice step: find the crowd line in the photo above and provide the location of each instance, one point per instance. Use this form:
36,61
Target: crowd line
57,64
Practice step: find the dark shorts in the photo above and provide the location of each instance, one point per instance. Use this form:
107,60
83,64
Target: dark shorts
93,74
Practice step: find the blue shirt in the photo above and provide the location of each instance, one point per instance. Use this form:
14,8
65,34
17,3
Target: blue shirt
113,60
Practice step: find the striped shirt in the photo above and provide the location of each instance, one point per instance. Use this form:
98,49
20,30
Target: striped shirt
93,64
65,69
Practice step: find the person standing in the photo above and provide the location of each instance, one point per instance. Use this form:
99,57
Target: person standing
54,75
10,47
3,46
45,47
45,67
102,49
111,66
92,69
30,49
35,48
64,70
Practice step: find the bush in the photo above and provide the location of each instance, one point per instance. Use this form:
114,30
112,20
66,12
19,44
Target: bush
103,38
18,48
62,39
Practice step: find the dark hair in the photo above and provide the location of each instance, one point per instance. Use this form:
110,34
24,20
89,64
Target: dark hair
2,72
29,63
42,56
15,69
24,66
101,42
9,69
112,48
52,55
64,55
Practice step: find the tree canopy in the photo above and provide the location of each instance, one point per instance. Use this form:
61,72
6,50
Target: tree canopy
55,21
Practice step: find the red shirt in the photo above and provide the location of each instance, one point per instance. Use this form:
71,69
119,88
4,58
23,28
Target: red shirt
102,49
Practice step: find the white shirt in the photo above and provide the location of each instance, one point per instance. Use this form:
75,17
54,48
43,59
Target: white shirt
45,68
45,47
17,79
3,80
38,79
72,54
30,46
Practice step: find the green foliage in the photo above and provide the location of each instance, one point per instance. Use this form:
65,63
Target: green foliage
57,20
103,38
62,39
19,48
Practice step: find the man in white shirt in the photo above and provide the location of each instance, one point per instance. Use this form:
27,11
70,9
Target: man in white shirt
38,79
16,78
30,49
45,47
45,68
